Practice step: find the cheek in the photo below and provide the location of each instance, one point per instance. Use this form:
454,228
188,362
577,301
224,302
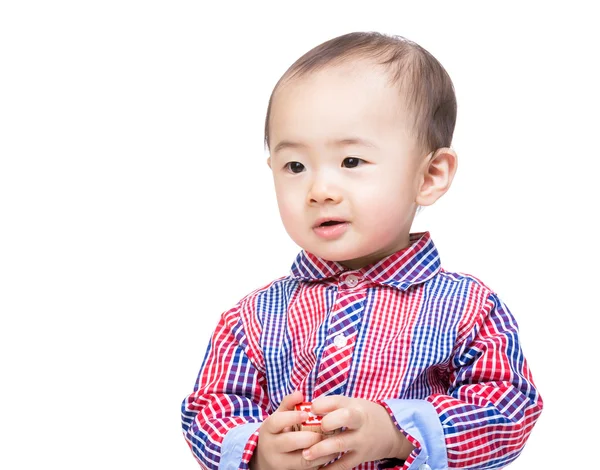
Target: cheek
292,218
373,199
288,203
385,204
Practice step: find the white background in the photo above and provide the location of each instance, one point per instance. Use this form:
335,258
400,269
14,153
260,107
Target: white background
136,204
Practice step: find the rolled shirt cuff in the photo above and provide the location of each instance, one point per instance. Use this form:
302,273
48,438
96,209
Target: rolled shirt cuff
234,442
419,419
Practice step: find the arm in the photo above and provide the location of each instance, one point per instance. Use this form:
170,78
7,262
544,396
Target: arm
491,405
221,417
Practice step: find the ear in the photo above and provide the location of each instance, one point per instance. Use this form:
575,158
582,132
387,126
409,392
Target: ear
437,174
269,162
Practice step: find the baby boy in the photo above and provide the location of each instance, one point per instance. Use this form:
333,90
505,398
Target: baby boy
417,367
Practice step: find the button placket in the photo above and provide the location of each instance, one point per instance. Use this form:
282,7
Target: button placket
340,341
336,359
351,280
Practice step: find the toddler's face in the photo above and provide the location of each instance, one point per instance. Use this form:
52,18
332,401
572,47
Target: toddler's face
341,152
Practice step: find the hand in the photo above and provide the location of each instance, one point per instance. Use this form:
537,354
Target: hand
370,433
280,449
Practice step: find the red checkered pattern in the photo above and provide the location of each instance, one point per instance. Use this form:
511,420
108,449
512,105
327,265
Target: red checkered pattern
401,329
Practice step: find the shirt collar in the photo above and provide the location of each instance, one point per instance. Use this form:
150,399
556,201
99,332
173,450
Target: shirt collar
412,265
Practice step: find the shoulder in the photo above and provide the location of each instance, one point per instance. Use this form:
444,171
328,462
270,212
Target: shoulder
274,287
471,298
465,280
478,299
246,318
275,292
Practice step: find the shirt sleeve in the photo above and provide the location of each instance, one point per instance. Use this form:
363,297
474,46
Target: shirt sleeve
220,419
491,406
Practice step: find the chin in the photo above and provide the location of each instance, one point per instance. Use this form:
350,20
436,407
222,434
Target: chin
339,256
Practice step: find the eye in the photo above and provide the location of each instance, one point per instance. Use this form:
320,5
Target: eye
351,162
295,167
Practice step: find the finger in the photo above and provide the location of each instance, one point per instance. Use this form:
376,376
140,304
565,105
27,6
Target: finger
297,461
328,403
280,420
297,441
349,418
291,400
348,460
335,444
316,463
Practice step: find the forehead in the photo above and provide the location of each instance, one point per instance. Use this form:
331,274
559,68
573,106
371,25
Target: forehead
353,99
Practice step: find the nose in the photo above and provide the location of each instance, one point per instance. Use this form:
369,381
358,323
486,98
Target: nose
323,190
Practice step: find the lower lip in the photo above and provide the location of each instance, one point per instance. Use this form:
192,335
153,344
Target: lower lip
329,232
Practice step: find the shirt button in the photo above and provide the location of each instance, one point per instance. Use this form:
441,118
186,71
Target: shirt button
352,280
424,467
340,341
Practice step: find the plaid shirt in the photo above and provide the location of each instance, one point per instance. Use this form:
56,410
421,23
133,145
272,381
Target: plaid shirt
439,350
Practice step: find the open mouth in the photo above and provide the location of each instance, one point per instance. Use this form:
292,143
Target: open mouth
330,229
331,222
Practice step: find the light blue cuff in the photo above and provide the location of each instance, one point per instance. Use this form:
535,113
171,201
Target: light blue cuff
419,419
232,447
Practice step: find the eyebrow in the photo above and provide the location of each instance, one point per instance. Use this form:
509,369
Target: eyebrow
332,143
